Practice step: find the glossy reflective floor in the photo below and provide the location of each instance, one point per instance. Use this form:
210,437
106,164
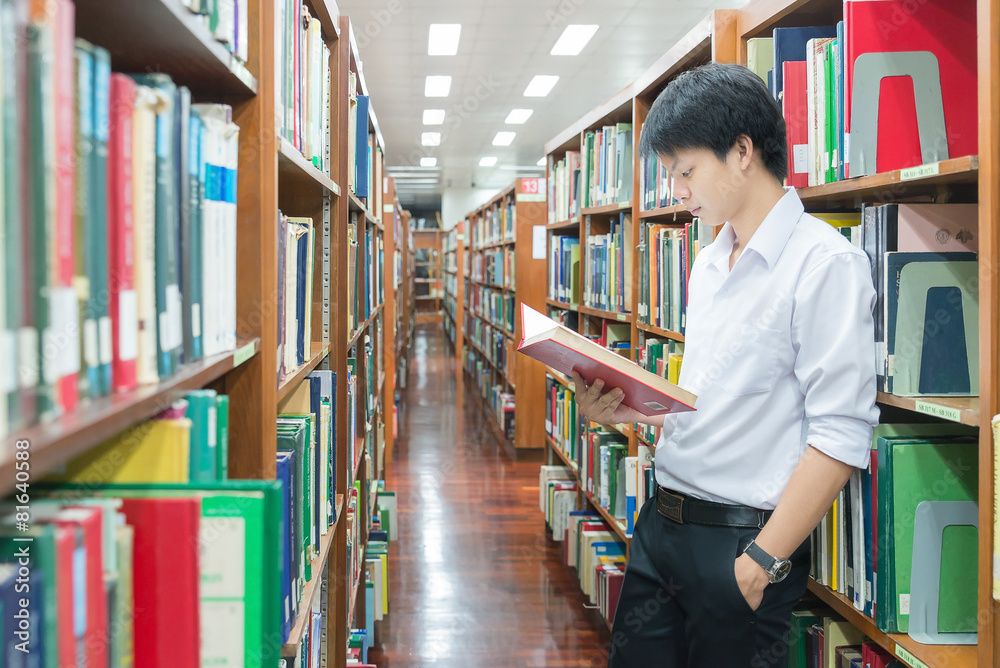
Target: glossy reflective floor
474,580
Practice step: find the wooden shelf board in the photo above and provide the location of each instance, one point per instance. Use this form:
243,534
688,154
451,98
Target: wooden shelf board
956,409
491,245
164,36
327,12
293,166
607,315
614,207
666,333
934,656
562,455
565,224
357,205
57,441
895,184
678,210
319,351
364,325
560,378
563,305
291,648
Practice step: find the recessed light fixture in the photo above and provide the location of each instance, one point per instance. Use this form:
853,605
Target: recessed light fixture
518,116
573,39
428,162
442,40
433,116
540,85
488,161
504,138
541,163
437,86
430,138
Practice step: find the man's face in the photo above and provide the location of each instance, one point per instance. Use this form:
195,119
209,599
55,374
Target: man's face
709,188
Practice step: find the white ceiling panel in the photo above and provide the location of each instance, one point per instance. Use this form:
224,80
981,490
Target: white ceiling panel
504,43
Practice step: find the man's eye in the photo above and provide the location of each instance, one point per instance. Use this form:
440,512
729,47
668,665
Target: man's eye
686,174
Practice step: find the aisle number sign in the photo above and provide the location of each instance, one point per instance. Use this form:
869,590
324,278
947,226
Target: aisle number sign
531,190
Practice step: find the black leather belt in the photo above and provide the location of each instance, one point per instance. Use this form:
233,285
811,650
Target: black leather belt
685,510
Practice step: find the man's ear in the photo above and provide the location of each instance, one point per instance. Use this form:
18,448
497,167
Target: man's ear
744,150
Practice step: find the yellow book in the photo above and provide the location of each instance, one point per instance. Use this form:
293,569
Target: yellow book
156,451
385,583
674,368
837,219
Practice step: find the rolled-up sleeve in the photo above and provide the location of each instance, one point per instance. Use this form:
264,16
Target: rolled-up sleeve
834,341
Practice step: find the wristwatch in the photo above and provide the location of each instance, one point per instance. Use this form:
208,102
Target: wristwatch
776,569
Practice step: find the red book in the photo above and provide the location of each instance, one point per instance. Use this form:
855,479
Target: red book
63,303
945,28
165,579
86,525
564,350
795,108
121,270
65,588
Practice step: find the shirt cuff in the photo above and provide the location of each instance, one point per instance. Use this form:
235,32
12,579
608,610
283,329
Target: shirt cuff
848,440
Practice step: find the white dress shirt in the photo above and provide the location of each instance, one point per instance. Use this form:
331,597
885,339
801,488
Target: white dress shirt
780,352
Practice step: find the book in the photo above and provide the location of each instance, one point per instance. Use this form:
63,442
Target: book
564,350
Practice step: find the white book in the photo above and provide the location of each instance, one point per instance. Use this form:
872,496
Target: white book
144,229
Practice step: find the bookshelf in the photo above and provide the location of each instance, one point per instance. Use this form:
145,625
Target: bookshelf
496,275
273,174
454,286
722,37
428,287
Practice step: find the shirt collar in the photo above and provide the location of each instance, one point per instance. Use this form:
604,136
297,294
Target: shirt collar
769,239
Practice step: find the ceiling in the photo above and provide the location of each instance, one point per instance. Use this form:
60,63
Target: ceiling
503,44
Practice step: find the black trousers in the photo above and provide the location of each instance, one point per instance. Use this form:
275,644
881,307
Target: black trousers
680,605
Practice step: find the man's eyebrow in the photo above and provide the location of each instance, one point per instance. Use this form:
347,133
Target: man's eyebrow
673,167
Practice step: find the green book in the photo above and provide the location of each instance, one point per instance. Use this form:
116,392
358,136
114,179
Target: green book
37,372
202,410
98,239
297,429
195,241
85,223
222,437
44,581
168,298
912,470
798,632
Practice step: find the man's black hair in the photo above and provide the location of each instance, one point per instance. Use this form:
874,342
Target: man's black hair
710,107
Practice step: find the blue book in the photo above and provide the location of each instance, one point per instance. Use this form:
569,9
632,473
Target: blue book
284,474
99,211
361,149
790,45
302,277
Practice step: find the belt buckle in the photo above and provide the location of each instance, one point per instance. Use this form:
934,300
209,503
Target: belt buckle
671,506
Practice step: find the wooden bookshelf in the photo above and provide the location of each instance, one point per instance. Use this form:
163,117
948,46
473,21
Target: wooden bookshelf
428,244
722,37
952,656
454,298
613,522
657,331
57,441
164,36
563,305
524,376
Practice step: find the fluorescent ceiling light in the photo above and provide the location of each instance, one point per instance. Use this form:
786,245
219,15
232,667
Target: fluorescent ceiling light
573,39
428,162
488,161
541,163
430,138
518,116
437,86
504,138
540,85
415,182
433,116
442,40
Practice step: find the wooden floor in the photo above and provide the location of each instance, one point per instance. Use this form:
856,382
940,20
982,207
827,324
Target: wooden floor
474,580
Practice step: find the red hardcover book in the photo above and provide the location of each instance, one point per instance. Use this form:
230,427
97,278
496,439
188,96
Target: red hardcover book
165,578
121,269
65,588
616,576
86,523
564,350
796,111
945,28
63,303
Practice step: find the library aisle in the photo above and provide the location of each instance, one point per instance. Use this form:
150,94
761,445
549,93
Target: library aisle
474,580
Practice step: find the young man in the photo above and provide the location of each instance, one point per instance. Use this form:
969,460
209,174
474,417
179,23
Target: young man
780,352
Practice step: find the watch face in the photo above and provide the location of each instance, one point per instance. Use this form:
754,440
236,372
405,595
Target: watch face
781,570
